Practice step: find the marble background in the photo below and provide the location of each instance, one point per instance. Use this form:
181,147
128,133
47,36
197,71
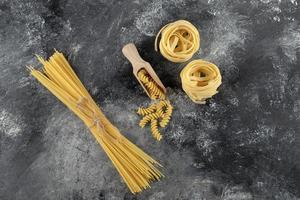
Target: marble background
242,145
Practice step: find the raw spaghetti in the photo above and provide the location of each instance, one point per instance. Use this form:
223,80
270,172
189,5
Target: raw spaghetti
200,80
136,168
179,41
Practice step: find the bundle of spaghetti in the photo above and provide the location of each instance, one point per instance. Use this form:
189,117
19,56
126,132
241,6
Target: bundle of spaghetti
136,168
200,80
179,41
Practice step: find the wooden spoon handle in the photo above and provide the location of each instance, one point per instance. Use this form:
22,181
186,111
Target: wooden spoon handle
131,53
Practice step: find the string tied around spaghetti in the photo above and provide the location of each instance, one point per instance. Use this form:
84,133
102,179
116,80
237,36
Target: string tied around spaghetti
80,101
95,118
96,121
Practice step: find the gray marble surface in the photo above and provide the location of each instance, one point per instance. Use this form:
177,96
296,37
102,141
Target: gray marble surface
242,145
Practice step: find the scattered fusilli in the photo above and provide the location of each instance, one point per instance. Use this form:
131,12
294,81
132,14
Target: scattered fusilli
167,115
158,113
154,129
148,118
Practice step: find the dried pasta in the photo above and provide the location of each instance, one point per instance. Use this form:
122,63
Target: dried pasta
161,110
200,80
167,115
145,111
143,76
153,89
179,41
136,168
154,129
148,118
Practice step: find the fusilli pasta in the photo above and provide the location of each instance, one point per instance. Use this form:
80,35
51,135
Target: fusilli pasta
157,113
153,89
167,115
154,129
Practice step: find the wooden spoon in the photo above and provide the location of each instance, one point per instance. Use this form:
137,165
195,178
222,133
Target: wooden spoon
131,53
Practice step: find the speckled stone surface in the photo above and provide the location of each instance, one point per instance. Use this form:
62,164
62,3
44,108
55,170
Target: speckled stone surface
242,145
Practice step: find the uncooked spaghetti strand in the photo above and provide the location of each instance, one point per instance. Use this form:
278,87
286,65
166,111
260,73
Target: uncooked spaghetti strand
144,168
57,91
64,64
58,77
133,187
51,86
69,70
69,79
123,172
119,159
136,159
132,169
137,151
135,167
62,76
149,164
133,160
145,174
66,77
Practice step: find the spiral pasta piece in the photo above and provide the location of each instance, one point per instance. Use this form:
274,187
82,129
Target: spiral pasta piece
164,103
145,111
153,89
148,118
179,41
155,92
167,115
200,80
160,109
142,74
154,130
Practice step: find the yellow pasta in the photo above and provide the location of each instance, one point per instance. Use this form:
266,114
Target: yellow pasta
155,111
160,108
145,111
143,76
200,80
158,111
148,118
154,129
136,168
167,115
179,41
153,89
155,92
163,103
